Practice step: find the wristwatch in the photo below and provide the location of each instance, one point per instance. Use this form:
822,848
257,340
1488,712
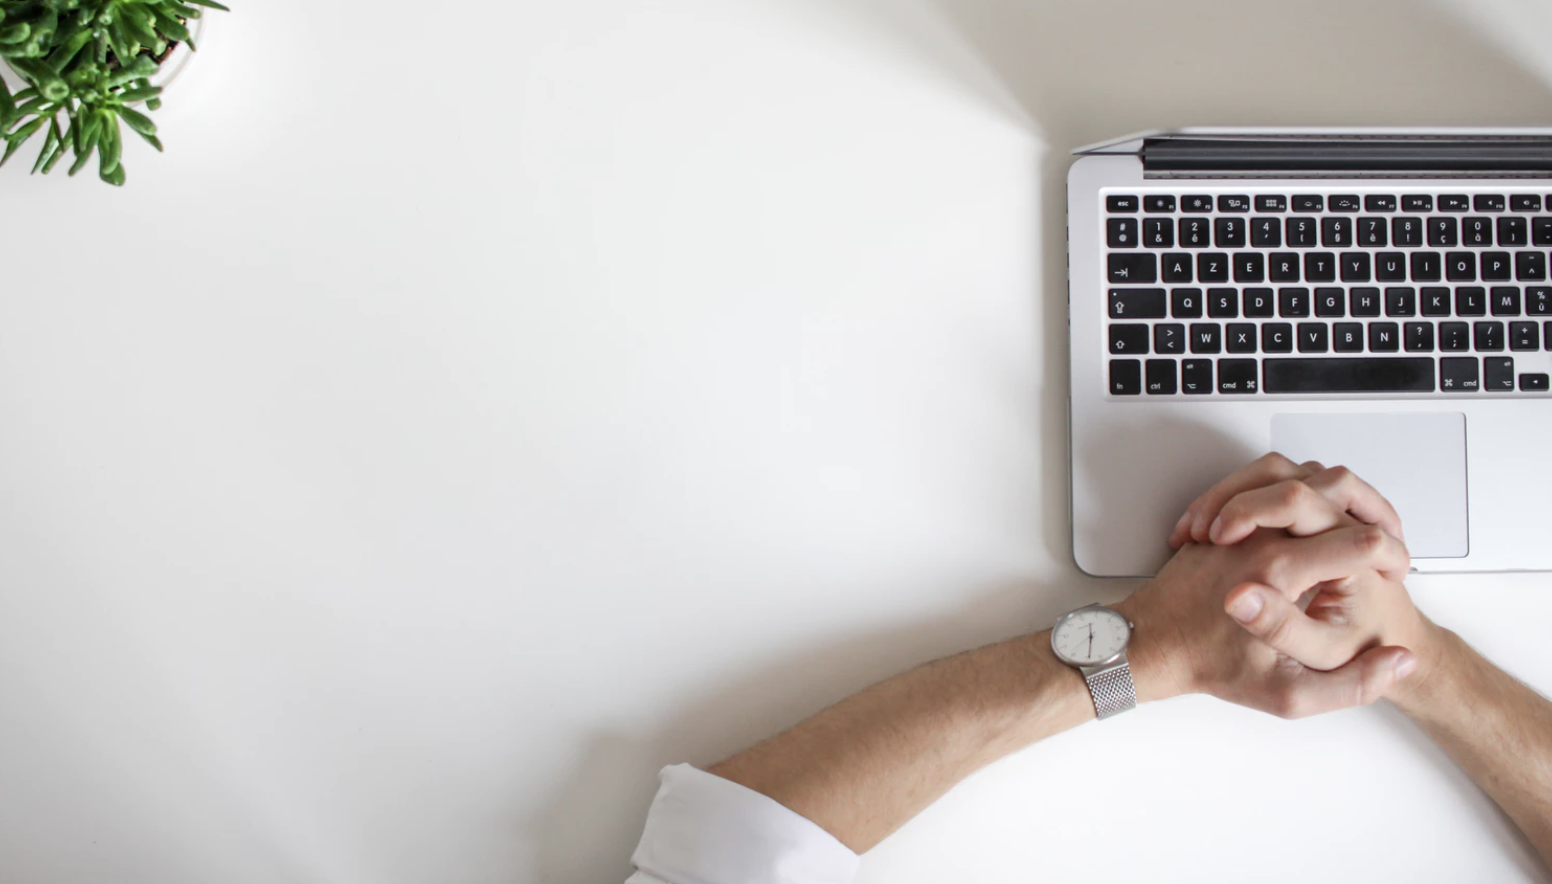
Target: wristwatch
1093,640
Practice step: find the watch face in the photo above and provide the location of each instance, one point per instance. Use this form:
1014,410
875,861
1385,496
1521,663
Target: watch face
1090,636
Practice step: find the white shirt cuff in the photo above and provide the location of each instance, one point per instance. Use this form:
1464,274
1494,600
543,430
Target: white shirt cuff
703,829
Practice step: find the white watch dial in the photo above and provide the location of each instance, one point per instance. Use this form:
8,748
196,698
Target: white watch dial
1091,636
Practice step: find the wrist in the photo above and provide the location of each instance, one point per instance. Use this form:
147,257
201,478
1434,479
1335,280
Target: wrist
1434,647
1154,655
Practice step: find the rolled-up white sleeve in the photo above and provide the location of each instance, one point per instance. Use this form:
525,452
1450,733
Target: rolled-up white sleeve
703,829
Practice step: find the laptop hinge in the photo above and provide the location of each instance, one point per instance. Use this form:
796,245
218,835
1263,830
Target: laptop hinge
1353,156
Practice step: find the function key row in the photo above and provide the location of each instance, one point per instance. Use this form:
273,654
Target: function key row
1332,231
1314,202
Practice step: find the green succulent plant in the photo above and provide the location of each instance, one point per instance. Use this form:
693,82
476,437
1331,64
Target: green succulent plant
86,61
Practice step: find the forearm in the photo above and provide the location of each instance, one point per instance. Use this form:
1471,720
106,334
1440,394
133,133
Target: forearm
1497,729
865,766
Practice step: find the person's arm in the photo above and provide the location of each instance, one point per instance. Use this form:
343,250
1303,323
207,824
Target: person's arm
1497,729
865,766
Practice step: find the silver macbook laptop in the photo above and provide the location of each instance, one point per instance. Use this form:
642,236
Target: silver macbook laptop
1378,299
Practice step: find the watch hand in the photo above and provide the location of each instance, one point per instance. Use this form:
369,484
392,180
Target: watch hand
1091,639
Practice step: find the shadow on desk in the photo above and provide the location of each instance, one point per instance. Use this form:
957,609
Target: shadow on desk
1074,73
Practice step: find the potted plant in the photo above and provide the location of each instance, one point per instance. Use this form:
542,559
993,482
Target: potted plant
88,62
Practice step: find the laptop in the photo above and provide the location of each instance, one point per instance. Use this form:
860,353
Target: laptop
1378,299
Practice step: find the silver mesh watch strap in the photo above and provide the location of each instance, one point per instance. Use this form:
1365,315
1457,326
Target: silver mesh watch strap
1112,690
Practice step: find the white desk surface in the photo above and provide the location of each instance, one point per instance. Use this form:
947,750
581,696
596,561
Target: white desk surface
477,409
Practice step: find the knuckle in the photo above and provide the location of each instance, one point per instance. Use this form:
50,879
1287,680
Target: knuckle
1370,539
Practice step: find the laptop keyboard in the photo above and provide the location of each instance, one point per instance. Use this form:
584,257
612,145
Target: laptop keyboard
1328,293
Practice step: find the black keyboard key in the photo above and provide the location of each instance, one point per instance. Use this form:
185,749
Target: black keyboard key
1384,337
1177,267
1241,337
1525,202
1364,301
1283,266
1308,202
1505,300
1185,303
1222,303
1533,383
1158,233
1121,203
1347,337
1196,203
1293,302
1435,300
1471,300
1496,267
1489,202
1538,301
1374,374
1125,377
1476,232
1258,302
1513,232
1161,377
1376,202
1319,267
1442,233
1121,233
1134,268
1418,337
1459,374
1546,334
1229,233
1425,266
1314,337
1524,336
1196,377
1169,338
1237,376
1271,203
1530,266
1498,374
1454,337
1212,267
1330,302
1266,233
1230,203
1277,337
1206,337
1303,231
1128,339
1400,301
1336,233
1371,233
1390,267
1355,266
1541,231
1158,203
1407,231
1460,267
1454,202
1488,337
1343,202
1417,202
1195,233
1137,303
1249,267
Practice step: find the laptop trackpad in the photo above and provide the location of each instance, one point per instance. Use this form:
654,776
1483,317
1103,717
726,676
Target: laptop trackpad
1418,461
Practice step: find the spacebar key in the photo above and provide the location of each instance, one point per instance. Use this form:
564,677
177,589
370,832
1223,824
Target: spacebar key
1376,374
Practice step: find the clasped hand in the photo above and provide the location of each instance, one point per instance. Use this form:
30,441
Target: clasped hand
1224,616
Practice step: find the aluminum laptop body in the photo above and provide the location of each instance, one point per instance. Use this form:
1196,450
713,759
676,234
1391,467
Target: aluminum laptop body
1378,299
